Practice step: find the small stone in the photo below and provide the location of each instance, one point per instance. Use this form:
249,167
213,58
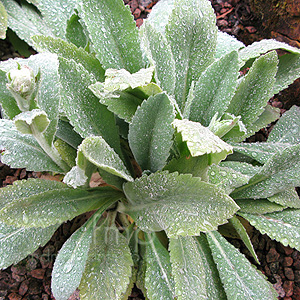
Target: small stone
19,270
34,287
297,275
272,255
223,11
287,261
296,294
278,286
296,264
289,274
14,296
137,13
287,298
288,288
139,22
38,273
277,104
251,29
45,297
222,23
17,278
23,174
23,287
31,264
274,266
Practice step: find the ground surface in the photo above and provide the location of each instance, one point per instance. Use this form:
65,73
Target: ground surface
30,279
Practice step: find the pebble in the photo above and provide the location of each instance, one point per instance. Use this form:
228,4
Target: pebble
288,288
23,287
287,261
289,274
38,273
272,255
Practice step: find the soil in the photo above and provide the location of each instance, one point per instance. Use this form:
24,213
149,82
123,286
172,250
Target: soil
30,279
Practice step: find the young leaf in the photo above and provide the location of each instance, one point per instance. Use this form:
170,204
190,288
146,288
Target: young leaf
255,89
259,206
106,159
23,151
50,202
282,226
269,181
212,93
3,21
179,204
70,262
226,43
193,39
158,278
117,42
69,51
187,268
287,129
159,53
200,140
241,280
26,240
151,132
83,108
108,266
75,32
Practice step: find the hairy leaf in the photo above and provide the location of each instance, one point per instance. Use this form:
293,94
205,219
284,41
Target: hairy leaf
258,206
241,280
241,167
179,204
282,226
75,32
3,21
287,198
108,266
50,202
226,43
26,240
212,93
151,132
66,133
193,39
113,33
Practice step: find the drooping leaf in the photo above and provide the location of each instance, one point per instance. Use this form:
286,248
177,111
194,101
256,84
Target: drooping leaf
287,129
83,108
258,206
26,240
98,152
193,39
255,89
282,226
288,71
179,204
212,93
75,32
113,33
71,260
240,280
108,266
281,171
3,21
159,52
226,43
257,48
158,278
187,268
151,132
69,51
288,198
23,151
200,140
50,202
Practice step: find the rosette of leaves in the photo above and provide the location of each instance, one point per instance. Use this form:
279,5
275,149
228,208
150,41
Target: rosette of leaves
161,113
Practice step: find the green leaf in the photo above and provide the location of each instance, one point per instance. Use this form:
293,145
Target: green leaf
288,71
98,152
26,240
255,89
240,229
281,171
113,33
35,117
287,198
3,21
23,151
283,226
83,108
193,39
179,204
258,206
69,52
158,281
200,140
226,43
25,20
212,93
241,167
241,280
75,32
257,48
287,129
151,132
50,202
187,268
159,53
226,178
71,260
108,267
66,133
